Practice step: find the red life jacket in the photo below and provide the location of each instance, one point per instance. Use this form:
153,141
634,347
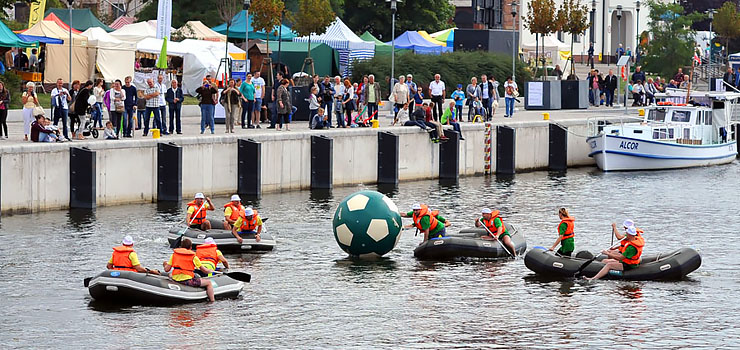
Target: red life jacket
121,260
236,210
638,243
198,216
249,225
207,253
182,262
433,222
569,233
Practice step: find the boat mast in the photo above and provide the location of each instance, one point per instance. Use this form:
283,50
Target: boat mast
691,76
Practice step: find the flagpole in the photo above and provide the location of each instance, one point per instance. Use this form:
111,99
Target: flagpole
691,76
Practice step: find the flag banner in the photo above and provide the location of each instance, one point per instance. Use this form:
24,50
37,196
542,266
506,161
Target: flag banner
164,19
564,55
36,12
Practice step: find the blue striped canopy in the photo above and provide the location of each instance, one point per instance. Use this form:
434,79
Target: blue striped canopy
349,46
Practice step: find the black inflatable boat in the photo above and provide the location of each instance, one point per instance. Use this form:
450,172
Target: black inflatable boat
469,244
667,266
134,288
226,241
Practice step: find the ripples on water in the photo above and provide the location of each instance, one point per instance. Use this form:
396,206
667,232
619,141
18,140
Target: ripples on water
305,294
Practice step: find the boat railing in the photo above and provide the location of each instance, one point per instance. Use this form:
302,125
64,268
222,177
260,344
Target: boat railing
596,124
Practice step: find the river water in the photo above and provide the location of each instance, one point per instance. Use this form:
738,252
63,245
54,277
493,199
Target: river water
305,294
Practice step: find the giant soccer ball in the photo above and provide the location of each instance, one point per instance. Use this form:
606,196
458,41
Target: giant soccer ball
367,224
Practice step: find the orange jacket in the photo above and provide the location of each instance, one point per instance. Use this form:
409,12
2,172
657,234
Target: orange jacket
198,216
490,223
569,233
433,222
249,225
207,253
120,258
236,210
182,262
638,243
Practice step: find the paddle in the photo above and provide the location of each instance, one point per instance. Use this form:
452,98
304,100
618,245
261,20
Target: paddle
497,240
176,243
239,276
580,269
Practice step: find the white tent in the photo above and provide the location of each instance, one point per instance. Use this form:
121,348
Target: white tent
114,58
552,49
58,55
138,31
349,46
198,30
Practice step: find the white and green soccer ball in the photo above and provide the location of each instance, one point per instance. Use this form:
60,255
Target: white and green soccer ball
367,224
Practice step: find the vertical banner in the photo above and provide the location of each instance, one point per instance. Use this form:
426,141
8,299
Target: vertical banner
36,13
164,18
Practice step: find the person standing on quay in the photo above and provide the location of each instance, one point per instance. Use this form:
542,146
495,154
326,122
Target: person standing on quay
4,103
162,87
174,97
248,91
438,92
151,94
372,96
284,105
400,95
259,94
610,84
230,99
130,104
207,105
512,90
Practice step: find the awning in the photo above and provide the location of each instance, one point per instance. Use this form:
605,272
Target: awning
41,39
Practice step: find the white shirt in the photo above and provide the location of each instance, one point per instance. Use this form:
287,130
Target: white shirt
258,84
437,88
513,84
484,90
162,91
55,92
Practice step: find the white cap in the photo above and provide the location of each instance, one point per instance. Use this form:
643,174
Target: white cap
209,240
127,240
632,231
628,223
199,195
235,198
248,212
409,76
416,206
486,211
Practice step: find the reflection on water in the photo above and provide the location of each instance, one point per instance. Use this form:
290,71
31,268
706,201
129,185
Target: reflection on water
306,294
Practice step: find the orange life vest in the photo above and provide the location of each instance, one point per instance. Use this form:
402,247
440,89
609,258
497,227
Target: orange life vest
490,223
638,243
121,260
569,233
182,262
236,210
249,225
623,242
198,216
433,222
207,253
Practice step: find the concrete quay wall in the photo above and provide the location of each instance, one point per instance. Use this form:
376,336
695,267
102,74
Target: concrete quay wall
38,177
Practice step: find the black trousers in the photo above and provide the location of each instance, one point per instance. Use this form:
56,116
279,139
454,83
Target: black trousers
438,107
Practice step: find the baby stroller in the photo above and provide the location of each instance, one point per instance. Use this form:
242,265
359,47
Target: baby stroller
479,113
89,127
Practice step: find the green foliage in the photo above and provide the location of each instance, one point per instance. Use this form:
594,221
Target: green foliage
573,18
542,17
672,45
13,84
183,11
266,15
15,25
455,68
337,6
313,17
727,23
375,16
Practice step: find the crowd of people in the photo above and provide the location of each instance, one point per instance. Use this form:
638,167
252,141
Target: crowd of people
642,88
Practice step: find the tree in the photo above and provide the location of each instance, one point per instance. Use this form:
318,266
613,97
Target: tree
336,5
313,17
542,19
702,6
375,16
183,11
672,45
727,23
574,19
266,16
227,9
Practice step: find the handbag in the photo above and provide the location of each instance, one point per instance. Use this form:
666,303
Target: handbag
494,104
38,110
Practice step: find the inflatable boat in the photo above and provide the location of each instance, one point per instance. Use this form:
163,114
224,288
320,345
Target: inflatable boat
667,266
469,244
134,288
226,241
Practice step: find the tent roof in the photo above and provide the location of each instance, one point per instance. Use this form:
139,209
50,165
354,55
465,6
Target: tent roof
326,61
52,17
414,41
429,38
99,37
52,30
236,30
369,37
10,39
339,36
40,39
135,32
260,44
551,44
122,21
198,30
447,35
82,19
154,45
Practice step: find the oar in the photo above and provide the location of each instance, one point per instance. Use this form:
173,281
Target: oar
580,269
176,243
497,240
239,276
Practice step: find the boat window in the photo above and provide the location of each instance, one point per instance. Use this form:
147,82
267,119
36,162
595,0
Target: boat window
699,118
657,115
671,133
708,119
687,133
637,131
681,116
659,134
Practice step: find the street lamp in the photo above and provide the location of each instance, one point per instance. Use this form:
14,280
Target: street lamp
637,47
70,2
513,41
710,12
394,9
247,4
593,30
619,26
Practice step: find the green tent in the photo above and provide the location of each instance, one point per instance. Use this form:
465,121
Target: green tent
82,19
325,59
9,39
381,48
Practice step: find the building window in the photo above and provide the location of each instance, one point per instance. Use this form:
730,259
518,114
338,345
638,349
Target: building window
117,10
560,35
577,38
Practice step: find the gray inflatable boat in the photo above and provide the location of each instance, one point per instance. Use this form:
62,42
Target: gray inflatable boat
469,244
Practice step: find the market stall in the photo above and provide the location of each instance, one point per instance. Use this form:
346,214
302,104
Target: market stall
349,46
57,55
113,58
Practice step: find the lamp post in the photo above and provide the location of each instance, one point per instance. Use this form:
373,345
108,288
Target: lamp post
513,41
637,46
70,2
710,12
593,30
394,9
619,41
247,4
603,31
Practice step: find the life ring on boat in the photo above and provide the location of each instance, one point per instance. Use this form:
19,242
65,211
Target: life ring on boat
665,103
679,104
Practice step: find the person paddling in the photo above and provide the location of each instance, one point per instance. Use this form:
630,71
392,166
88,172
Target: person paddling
566,235
124,258
181,264
427,221
232,211
197,212
248,223
209,255
624,258
496,228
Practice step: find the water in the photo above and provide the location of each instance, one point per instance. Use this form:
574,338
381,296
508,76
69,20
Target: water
306,295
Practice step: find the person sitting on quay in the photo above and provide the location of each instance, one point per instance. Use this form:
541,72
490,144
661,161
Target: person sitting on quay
566,235
197,212
448,118
124,258
40,131
438,133
249,223
427,221
210,256
109,133
233,210
496,229
182,264
320,121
